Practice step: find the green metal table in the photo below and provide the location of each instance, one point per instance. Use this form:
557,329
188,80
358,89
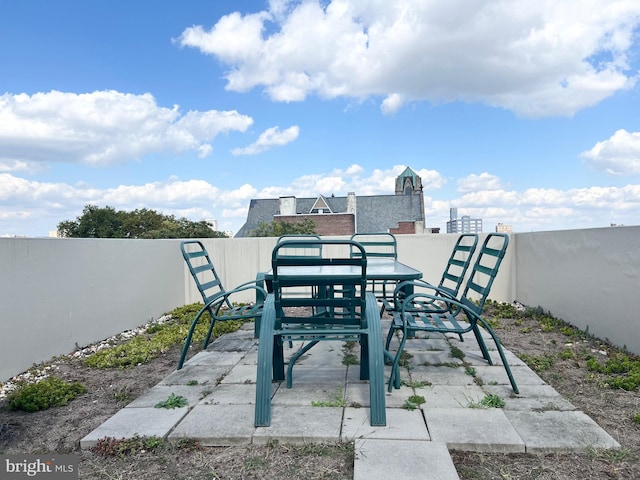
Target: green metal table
377,269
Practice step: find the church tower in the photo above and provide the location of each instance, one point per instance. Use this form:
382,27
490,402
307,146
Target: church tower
408,182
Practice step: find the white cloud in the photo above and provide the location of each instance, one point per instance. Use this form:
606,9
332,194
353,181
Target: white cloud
354,169
34,208
536,58
392,103
271,137
484,181
618,155
102,128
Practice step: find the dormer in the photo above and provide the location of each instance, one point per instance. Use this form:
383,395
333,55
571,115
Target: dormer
320,206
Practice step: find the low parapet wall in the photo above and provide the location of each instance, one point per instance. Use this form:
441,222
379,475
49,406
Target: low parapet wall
57,294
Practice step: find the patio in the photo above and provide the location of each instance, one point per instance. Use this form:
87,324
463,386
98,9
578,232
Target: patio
323,406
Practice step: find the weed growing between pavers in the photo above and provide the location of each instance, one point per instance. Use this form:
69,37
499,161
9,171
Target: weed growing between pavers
416,383
337,401
489,401
413,402
174,401
349,357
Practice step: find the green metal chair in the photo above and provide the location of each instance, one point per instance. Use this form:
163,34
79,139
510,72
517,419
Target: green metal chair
441,313
340,310
450,282
216,299
309,249
378,245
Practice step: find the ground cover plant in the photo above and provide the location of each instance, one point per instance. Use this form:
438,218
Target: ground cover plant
590,373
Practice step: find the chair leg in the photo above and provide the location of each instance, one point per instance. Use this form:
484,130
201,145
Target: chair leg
187,342
481,344
207,339
392,329
503,358
394,379
294,358
265,367
364,356
378,414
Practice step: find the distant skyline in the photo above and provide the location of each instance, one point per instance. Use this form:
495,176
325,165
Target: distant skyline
516,112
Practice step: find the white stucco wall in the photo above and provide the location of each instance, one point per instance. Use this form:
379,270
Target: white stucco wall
56,294
59,293
589,278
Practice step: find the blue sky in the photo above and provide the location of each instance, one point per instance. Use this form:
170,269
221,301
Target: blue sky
523,112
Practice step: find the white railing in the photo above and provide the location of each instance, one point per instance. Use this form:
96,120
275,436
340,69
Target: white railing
57,294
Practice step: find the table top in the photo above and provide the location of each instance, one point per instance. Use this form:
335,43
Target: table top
377,269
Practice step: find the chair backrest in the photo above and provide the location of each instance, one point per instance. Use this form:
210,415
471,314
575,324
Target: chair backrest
340,297
458,263
484,271
311,249
202,270
376,244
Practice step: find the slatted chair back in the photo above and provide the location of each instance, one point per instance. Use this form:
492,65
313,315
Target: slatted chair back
484,271
452,277
309,249
216,299
340,304
376,245
458,264
202,271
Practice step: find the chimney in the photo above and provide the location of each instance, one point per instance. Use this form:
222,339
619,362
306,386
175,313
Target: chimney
287,205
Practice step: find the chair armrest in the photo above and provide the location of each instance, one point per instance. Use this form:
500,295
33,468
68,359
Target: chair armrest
399,293
452,305
223,298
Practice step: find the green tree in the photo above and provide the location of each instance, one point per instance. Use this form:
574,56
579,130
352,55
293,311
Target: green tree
95,222
276,229
106,222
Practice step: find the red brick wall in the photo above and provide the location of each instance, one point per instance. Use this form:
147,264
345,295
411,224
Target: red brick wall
404,227
326,223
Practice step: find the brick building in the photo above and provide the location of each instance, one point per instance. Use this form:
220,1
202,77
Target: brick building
400,213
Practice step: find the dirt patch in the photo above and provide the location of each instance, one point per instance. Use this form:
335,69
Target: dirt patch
560,355
60,429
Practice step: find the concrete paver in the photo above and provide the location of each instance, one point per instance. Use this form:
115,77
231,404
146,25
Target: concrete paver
553,431
298,425
402,424
451,396
217,425
384,459
531,397
199,374
474,429
132,422
193,394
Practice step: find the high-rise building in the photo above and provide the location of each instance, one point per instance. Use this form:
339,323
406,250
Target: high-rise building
502,228
466,224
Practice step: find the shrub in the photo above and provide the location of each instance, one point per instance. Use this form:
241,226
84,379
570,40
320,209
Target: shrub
159,338
50,392
623,371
